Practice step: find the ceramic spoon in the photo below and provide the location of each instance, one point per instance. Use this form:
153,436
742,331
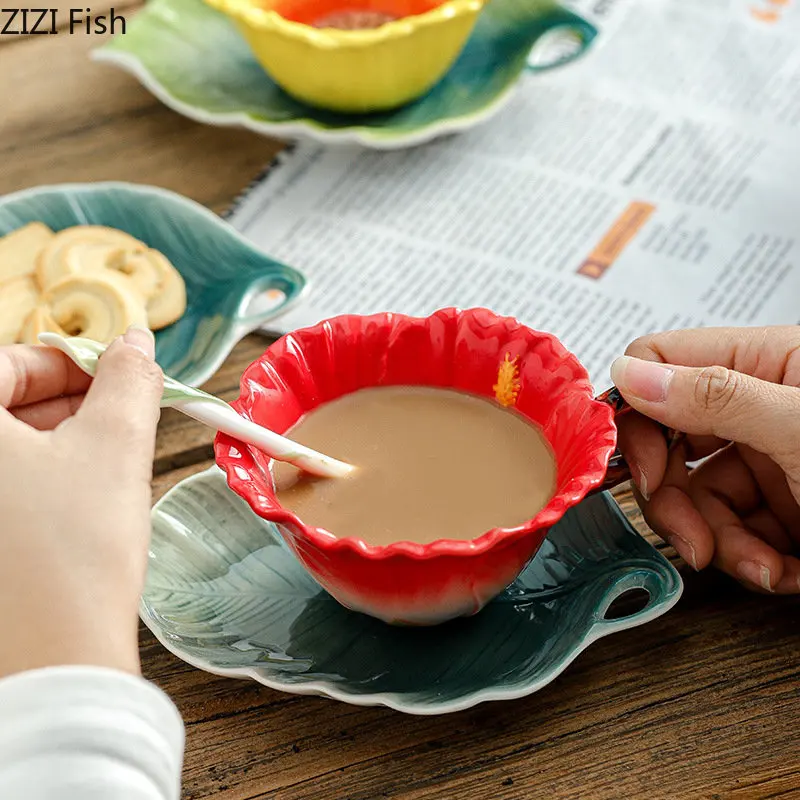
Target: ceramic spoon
211,411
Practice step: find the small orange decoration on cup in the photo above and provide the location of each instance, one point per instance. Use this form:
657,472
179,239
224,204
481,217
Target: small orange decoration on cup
507,387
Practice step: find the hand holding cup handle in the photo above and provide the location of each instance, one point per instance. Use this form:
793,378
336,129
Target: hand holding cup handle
618,470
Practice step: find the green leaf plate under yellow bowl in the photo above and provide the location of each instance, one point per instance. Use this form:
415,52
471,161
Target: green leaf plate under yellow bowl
193,59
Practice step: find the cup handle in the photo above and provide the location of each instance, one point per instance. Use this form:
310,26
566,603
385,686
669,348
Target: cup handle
561,19
618,470
288,282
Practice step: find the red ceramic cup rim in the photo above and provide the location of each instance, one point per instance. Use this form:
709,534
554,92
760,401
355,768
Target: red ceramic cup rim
233,455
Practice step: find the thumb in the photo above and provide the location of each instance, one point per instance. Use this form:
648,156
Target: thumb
122,404
714,401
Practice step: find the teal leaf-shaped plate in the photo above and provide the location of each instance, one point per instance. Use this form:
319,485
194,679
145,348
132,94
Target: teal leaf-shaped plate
192,58
224,594
231,287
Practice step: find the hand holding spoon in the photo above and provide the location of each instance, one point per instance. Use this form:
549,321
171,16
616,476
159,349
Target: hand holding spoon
211,411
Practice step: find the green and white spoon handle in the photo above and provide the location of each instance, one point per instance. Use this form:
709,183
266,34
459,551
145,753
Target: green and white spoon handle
211,411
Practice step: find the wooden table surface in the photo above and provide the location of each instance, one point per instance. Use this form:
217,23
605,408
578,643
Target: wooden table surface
702,703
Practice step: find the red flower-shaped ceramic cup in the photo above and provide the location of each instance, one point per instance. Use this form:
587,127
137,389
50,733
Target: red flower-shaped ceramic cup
473,350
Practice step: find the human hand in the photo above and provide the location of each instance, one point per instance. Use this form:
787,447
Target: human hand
76,459
734,392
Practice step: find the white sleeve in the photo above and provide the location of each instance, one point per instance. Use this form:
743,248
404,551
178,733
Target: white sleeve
88,733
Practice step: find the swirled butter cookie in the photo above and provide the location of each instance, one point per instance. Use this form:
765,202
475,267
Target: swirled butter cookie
97,305
83,248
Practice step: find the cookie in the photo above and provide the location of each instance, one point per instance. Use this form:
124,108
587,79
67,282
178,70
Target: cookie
40,320
86,280
83,248
96,305
168,302
18,297
20,249
138,268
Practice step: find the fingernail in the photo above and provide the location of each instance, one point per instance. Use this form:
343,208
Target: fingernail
140,338
646,380
684,548
757,574
640,479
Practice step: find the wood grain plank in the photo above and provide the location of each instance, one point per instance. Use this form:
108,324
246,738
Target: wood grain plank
92,122
698,702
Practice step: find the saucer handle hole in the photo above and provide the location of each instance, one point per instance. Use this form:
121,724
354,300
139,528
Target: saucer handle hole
554,47
262,307
264,302
628,603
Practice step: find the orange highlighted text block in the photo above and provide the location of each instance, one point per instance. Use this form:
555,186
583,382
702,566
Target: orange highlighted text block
765,15
626,226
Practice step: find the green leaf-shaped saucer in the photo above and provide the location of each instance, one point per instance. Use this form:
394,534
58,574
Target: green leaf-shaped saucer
225,594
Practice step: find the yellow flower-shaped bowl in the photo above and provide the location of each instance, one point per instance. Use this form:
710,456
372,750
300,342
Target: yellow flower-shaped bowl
354,71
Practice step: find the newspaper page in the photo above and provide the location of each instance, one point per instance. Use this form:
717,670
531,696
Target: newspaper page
652,184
